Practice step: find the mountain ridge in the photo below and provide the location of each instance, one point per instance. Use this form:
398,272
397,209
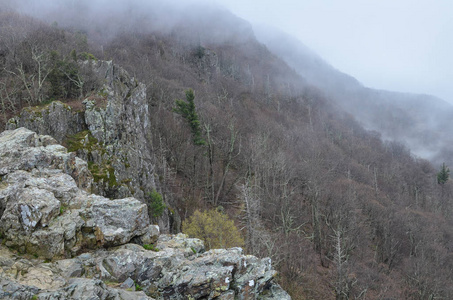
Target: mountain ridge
372,107
341,212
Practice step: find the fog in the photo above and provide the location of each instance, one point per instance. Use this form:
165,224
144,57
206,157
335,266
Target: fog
400,46
395,45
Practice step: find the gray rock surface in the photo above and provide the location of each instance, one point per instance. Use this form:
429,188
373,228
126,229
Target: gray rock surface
176,271
110,130
25,150
43,210
56,119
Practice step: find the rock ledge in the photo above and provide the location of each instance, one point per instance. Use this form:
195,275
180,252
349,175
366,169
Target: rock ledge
60,242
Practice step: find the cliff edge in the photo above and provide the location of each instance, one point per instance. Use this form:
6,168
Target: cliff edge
60,242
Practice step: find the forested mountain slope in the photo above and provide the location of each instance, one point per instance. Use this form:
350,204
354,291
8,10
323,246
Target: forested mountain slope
416,120
342,214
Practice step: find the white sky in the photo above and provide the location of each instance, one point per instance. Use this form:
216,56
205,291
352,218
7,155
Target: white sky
399,45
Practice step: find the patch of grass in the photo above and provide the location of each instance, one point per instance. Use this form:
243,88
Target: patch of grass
126,181
63,208
103,93
150,247
111,283
84,140
106,173
37,110
138,287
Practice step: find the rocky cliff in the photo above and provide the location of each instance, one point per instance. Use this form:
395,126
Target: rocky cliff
110,129
58,241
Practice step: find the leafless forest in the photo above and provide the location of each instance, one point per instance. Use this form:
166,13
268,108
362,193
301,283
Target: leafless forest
342,213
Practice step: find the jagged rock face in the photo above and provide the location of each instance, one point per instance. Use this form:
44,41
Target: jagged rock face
43,210
123,127
24,150
118,124
56,119
179,270
44,213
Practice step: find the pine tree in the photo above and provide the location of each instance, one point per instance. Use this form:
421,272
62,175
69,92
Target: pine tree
188,112
443,174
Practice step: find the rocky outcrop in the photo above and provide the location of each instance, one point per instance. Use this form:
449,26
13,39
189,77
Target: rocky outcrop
122,126
56,119
44,208
59,242
24,150
177,268
110,130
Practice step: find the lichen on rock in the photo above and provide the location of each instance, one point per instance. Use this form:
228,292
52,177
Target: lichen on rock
44,211
76,245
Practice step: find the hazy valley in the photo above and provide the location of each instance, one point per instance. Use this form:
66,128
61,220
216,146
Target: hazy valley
305,164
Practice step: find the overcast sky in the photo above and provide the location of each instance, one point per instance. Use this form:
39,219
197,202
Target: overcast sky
399,45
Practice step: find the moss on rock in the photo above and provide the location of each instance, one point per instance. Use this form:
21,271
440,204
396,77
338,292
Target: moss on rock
85,142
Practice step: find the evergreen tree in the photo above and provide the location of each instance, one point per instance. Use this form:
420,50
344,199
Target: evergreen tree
188,112
443,174
156,205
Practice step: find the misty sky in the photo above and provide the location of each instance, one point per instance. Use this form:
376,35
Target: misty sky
399,45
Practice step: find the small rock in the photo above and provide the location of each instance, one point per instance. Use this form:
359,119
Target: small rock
128,284
151,235
70,268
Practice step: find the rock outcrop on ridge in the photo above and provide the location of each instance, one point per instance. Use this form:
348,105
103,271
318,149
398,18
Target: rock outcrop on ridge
110,130
44,209
60,242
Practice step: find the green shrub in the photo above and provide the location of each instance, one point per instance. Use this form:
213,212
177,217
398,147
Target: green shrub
214,228
86,56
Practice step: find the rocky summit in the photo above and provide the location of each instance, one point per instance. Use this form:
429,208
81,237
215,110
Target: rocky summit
58,241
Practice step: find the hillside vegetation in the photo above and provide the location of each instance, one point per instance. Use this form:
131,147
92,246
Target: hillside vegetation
342,214
417,120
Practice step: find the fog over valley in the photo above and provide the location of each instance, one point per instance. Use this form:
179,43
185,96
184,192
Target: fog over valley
383,45
401,46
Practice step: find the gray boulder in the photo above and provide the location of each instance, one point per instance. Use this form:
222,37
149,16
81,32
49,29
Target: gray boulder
132,272
44,212
56,119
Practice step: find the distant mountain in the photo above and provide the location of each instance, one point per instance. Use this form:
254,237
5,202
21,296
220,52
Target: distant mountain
342,214
419,121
